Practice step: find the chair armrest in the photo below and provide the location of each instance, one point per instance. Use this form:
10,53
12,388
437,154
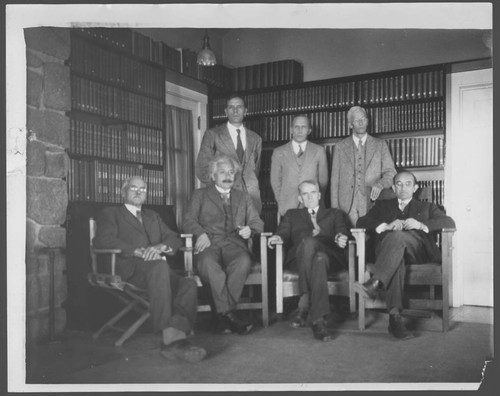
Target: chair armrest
188,254
107,251
113,252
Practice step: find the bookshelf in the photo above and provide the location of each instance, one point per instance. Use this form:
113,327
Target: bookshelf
116,117
406,108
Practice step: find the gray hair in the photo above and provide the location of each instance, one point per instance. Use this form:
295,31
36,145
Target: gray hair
127,181
223,159
352,110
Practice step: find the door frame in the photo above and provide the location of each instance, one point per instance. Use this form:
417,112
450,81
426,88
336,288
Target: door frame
176,95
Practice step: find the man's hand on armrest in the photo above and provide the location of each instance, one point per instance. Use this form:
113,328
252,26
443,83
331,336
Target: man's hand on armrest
274,240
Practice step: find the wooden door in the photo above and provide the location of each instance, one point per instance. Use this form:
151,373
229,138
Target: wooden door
469,190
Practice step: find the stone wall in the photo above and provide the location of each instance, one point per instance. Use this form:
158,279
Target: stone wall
48,99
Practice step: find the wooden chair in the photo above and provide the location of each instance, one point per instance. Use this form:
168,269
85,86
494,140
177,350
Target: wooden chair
426,274
132,298
257,277
339,284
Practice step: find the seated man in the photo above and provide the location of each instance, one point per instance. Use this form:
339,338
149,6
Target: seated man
144,239
222,219
318,236
402,228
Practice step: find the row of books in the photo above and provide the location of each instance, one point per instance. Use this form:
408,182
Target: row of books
406,117
114,68
132,143
375,91
97,181
417,151
270,74
409,152
108,101
379,90
262,103
401,118
118,38
431,191
264,75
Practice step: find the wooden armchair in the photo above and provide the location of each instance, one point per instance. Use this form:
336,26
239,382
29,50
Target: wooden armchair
132,298
339,284
257,277
433,275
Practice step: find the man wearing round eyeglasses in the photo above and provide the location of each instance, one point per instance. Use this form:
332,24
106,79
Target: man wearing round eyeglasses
145,241
362,169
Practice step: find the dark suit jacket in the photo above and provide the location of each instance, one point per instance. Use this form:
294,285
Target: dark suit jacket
218,141
205,214
297,224
386,211
117,228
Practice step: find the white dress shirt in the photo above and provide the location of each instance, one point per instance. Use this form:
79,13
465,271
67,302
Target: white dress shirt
234,135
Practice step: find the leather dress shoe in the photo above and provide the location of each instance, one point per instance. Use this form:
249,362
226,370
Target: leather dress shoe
236,324
182,350
320,331
398,329
368,289
300,319
222,325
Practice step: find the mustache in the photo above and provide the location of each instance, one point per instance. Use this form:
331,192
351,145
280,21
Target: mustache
227,181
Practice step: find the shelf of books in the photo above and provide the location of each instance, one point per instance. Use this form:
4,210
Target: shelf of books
116,117
405,107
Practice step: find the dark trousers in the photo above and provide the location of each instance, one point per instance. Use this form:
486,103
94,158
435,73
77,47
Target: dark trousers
224,268
313,262
173,298
396,249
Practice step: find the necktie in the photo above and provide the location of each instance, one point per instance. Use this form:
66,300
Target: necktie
360,145
402,206
315,223
300,152
239,147
139,215
225,198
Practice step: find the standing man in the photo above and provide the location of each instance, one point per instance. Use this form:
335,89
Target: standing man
295,162
144,240
222,219
318,237
235,141
402,228
362,168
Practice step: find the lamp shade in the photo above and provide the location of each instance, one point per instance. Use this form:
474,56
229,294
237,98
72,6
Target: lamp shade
206,56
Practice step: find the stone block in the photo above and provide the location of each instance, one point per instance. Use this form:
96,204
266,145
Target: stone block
56,163
32,230
34,83
33,294
37,325
53,236
33,60
54,41
49,126
35,157
46,200
56,87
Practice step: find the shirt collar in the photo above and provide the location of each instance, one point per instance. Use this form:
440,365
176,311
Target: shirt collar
221,190
315,209
233,129
405,201
363,139
132,209
296,146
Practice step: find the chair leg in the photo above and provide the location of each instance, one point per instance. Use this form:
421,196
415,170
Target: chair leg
116,318
132,329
